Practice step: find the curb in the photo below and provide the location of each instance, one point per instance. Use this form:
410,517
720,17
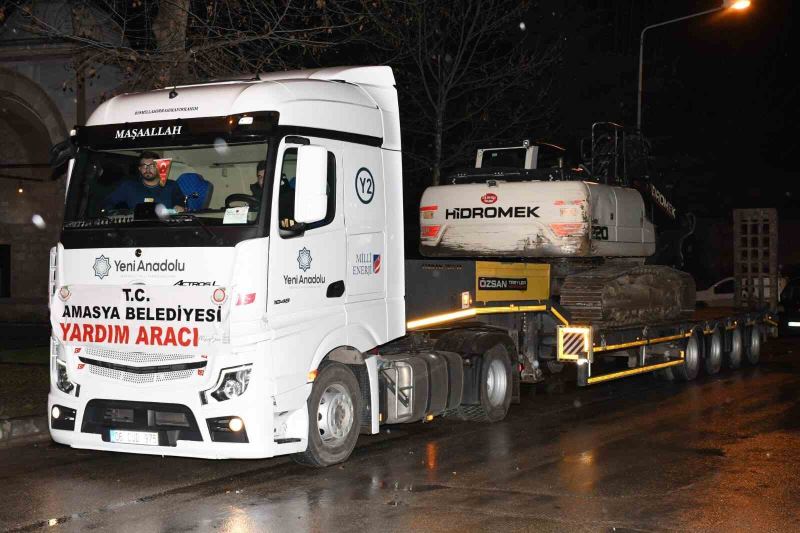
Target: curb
23,429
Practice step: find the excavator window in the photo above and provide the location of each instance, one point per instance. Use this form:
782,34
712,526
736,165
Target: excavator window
504,158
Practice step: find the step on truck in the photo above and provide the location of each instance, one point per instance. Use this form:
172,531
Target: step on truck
230,282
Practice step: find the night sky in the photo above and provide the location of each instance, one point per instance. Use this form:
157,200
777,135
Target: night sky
720,100
734,97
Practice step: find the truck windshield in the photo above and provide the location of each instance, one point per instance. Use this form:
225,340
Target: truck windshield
162,183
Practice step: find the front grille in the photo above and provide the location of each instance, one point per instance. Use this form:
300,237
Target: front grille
131,377
142,374
137,357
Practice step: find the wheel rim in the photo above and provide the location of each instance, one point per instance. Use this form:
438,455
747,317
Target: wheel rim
496,383
334,414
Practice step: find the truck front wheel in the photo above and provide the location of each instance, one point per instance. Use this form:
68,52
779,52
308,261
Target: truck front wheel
333,417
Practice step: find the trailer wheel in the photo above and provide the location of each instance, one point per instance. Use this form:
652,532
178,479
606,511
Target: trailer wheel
737,347
333,426
713,353
495,388
691,360
753,345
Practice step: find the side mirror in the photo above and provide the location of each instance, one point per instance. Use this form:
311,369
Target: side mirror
311,183
61,152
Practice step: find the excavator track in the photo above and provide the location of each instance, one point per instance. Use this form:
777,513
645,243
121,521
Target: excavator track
620,295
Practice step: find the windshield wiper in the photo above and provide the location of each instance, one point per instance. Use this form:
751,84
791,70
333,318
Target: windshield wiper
203,226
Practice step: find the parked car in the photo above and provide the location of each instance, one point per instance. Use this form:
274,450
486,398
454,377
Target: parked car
789,309
720,294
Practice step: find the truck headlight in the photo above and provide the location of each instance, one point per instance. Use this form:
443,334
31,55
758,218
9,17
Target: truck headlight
231,384
62,378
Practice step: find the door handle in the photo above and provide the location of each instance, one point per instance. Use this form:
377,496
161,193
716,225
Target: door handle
335,289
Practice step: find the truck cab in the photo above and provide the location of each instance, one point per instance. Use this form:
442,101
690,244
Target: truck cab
197,326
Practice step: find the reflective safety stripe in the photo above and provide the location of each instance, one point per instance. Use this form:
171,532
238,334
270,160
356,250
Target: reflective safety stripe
471,312
633,371
643,342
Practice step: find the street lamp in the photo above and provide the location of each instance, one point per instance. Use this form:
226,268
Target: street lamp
737,5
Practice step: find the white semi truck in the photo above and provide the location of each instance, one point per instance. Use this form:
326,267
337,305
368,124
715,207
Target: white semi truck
247,320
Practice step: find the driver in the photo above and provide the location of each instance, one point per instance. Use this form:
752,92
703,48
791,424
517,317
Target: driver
146,189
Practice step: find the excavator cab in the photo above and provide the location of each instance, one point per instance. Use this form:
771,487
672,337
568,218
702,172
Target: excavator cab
528,155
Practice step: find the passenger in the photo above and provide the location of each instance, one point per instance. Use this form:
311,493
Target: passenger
146,189
258,187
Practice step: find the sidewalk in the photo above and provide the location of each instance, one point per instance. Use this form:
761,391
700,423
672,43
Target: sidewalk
24,380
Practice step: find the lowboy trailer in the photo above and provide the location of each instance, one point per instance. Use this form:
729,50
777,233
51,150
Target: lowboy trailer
542,331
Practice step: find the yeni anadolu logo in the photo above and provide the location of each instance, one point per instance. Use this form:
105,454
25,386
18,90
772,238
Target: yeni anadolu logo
102,266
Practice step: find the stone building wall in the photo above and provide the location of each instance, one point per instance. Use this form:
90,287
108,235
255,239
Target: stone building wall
40,101
29,245
30,122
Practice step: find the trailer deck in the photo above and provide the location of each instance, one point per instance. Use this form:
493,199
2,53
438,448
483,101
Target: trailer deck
723,337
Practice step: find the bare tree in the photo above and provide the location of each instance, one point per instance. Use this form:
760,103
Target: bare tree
163,42
468,73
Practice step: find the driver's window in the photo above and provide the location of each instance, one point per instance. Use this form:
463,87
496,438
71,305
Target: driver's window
286,191
286,188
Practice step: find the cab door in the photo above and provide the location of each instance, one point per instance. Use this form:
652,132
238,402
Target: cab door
306,268
630,215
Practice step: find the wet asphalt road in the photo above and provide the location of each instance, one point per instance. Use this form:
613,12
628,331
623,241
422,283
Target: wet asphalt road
720,454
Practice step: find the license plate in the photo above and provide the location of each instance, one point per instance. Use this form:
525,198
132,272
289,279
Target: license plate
122,436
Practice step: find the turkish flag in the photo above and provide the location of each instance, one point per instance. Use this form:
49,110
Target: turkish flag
163,166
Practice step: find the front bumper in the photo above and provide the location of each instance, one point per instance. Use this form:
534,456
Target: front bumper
187,424
184,429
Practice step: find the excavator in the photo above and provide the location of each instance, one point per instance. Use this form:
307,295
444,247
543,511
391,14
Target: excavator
593,223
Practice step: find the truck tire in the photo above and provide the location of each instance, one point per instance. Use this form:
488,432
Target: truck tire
752,345
737,348
691,360
333,421
713,353
495,388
